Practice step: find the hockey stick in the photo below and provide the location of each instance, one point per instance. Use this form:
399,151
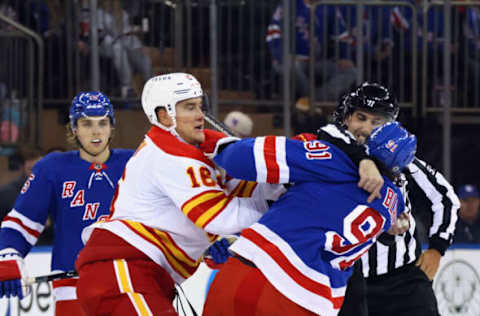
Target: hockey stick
51,277
217,124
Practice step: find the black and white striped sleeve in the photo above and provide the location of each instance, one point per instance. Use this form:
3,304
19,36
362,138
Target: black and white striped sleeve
444,203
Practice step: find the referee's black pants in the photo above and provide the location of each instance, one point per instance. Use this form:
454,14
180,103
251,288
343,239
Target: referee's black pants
406,291
355,302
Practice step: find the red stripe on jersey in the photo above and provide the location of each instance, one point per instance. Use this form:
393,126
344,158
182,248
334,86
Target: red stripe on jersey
64,282
171,145
269,152
249,189
32,232
112,205
204,207
239,188
218,212
115,194
276,254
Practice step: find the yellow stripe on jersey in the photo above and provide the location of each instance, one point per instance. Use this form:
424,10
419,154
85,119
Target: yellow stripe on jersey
174,249
125,285
239,188
122,276
212,211
201,199
246,189
173,261
139,303
204,215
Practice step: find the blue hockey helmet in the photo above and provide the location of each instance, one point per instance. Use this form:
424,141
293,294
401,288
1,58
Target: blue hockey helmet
393,145
92,103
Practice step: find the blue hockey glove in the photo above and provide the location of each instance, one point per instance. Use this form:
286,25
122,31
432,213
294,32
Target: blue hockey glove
218,251
12,274
217,254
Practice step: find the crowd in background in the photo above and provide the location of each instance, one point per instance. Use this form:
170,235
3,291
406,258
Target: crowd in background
127,30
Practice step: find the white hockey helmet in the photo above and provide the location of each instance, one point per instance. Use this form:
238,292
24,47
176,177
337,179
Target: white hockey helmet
166,91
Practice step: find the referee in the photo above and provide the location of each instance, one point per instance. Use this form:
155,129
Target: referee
398,276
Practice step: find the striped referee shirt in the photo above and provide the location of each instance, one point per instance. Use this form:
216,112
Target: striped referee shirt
425,190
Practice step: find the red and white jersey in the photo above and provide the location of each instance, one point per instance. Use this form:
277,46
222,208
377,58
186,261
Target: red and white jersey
170,203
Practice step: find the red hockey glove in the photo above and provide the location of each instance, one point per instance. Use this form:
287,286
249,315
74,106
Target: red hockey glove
213,140
12,274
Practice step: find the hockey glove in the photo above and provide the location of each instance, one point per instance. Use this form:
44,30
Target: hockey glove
217,254
12,273
214,142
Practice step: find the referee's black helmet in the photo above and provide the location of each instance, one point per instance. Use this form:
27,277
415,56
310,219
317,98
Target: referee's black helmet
370,97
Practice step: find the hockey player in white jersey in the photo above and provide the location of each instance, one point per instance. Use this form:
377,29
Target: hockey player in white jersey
168,206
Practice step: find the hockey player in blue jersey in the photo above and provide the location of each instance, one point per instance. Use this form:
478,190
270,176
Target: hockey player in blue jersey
75,189
297,259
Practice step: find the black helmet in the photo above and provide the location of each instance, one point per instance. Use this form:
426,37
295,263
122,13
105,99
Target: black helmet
371,97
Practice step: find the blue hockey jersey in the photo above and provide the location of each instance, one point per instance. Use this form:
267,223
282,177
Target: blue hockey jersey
307,242
74,192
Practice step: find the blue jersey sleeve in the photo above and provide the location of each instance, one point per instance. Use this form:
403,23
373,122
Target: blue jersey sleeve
277,159
25,222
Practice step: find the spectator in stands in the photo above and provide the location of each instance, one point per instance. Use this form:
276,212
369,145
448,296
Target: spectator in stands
431,18
8,10
468,225
23,161
35,14
119,41
239,123
335,75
